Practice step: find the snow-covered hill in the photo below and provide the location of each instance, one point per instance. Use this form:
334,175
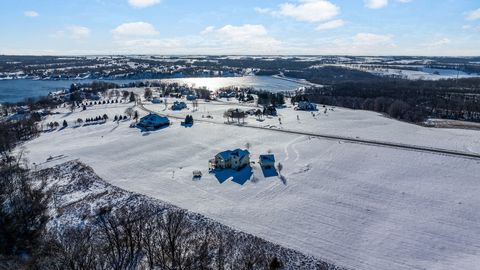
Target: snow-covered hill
80,195
360,206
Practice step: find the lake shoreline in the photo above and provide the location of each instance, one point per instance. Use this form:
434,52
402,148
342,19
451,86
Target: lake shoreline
18,90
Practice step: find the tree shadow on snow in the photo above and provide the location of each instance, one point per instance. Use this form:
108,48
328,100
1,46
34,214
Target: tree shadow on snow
239,177
186,125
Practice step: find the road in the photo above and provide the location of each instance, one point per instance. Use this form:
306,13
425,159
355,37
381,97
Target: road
409,147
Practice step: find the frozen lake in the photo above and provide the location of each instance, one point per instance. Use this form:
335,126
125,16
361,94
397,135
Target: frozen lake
18,90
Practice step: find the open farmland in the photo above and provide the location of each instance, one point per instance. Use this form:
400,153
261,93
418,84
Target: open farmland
360,206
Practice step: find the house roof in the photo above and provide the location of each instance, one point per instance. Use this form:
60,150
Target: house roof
267,158
237,152
154,119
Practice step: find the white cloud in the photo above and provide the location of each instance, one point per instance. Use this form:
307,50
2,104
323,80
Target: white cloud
359,44
143,3
263,10
73,32
473,15
375,4
229,39
31,13
368,39
207,30
134,29
330,25
78,32
438,43
152,46
309,10
243,39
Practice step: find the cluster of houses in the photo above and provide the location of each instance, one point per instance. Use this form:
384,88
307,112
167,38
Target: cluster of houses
238,159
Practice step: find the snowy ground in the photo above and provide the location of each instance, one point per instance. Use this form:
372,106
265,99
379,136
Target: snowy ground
343,122
359,206
423,73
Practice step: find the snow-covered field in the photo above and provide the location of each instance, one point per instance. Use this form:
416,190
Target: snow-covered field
359,206
422,72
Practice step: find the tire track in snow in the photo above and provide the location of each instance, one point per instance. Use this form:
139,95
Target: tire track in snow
291,145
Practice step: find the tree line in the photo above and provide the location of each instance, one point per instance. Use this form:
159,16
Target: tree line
412,101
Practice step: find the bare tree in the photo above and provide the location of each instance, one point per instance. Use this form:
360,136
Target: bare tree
122,233
75,248
226,114
174,240
23,208
282,177
129,111
148,93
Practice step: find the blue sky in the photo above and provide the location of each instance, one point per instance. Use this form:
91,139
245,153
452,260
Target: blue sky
353,27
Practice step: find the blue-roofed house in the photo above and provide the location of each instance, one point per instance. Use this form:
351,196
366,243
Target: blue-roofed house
236,159
156,100
179,105
153,121
306,106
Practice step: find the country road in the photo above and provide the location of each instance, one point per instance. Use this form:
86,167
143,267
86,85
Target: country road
338,138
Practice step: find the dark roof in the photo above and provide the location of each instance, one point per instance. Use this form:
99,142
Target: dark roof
154,119
237,152
267,158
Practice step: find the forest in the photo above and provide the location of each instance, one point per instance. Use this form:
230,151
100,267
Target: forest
408,100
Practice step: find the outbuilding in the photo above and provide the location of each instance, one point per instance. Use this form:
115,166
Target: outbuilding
267,161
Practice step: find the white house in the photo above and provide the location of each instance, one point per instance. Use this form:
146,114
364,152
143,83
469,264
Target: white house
153,121
236,159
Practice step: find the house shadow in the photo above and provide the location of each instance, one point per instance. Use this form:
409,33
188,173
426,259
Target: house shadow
151,129
269,172
239,177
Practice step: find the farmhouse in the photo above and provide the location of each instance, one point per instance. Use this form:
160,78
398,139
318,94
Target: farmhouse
306,106
153,121
179,105
236,159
